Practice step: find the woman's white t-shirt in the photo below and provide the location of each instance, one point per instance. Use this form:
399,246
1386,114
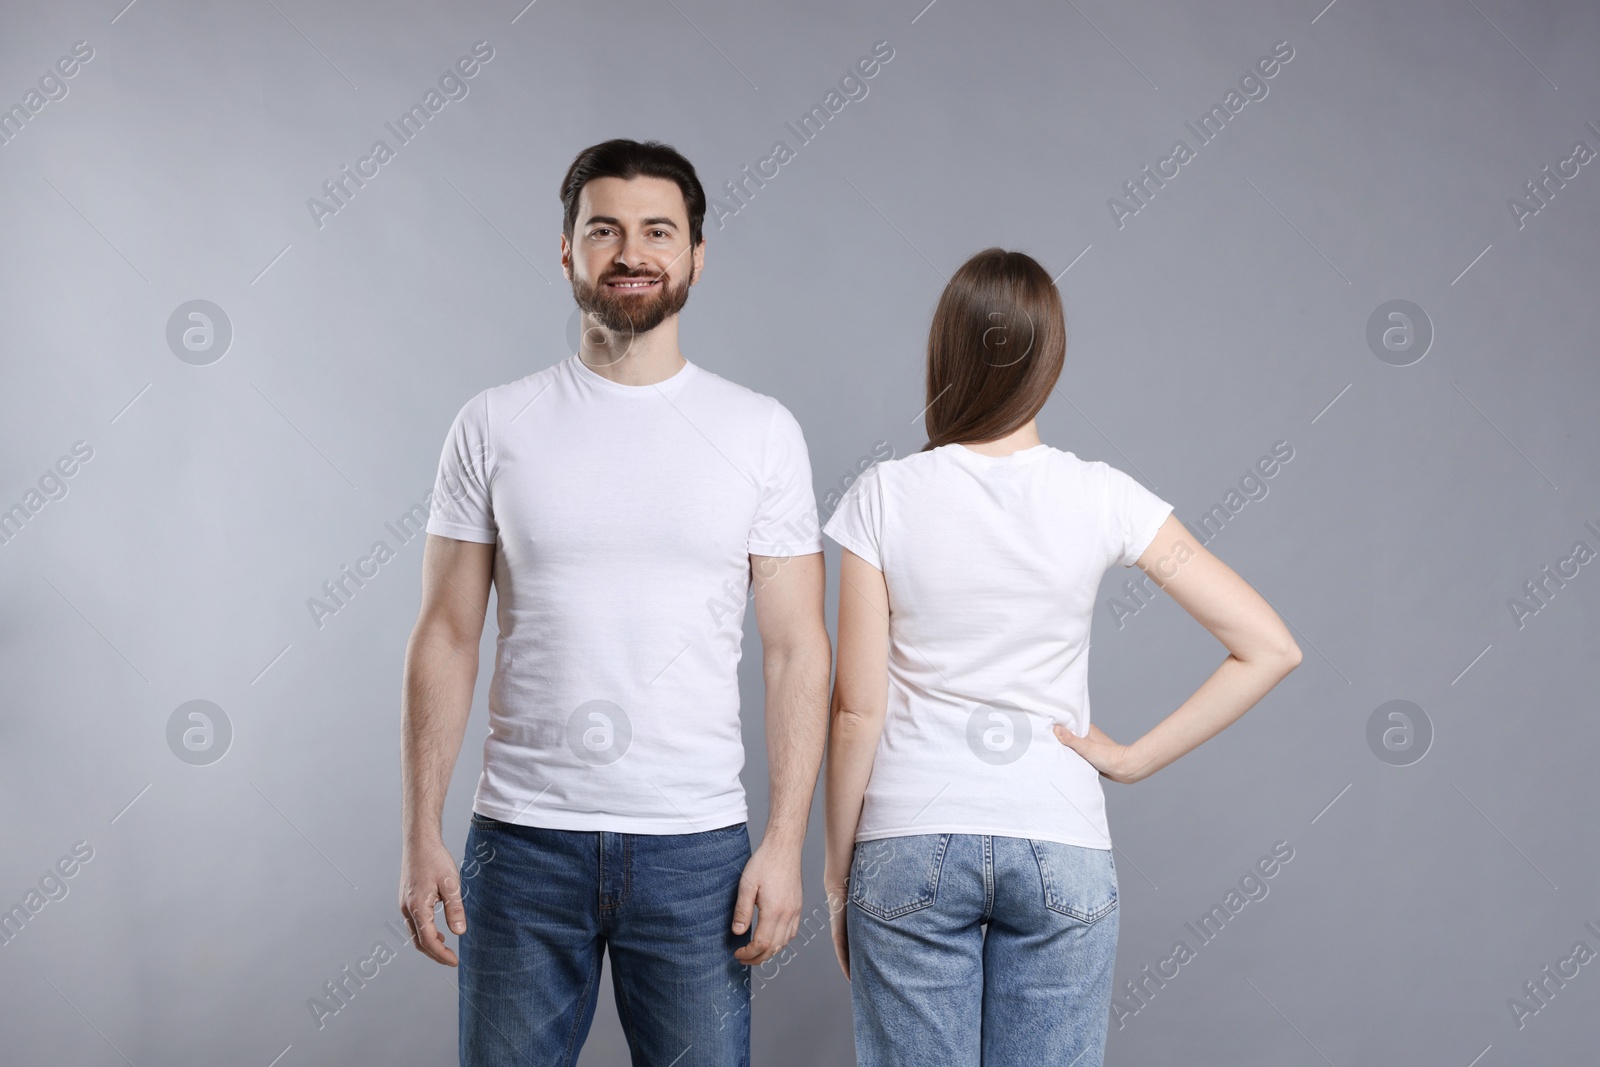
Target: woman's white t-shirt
992,564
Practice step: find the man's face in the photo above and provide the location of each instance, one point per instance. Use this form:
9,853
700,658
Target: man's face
629,262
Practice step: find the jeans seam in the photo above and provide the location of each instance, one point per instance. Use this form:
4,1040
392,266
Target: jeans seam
600,870
938,868
627,868
604,907
988,877
570,1056
625,1014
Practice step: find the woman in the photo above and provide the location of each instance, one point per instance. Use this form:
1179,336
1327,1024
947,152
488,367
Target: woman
969,865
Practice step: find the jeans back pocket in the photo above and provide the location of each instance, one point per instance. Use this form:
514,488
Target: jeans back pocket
1080,882
894,876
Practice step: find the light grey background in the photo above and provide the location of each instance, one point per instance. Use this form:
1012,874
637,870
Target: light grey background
1229,314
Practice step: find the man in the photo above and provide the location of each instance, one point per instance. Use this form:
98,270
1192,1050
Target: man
621,500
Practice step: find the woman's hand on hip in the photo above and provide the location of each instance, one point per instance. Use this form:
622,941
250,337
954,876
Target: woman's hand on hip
1113,761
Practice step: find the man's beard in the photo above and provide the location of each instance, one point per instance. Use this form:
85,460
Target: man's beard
626,315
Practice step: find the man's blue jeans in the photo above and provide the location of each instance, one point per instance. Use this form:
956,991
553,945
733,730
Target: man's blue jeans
543,905
928,983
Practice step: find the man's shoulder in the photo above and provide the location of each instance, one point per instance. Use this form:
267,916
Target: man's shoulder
725,390
754,412
522,388
495,404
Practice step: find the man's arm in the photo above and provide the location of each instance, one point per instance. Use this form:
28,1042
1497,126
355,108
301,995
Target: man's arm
796,661
441,671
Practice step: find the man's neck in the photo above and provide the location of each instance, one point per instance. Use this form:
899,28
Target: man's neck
643,359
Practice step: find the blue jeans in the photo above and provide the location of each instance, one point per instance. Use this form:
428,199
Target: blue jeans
930,985
543,905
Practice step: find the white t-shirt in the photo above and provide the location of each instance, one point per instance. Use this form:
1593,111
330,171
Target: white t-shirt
992,564
623,519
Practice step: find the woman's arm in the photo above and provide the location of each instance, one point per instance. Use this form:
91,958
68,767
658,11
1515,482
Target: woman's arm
1261,652
860,701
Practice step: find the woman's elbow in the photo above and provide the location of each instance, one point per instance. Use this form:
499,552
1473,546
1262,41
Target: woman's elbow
1278,655
848,718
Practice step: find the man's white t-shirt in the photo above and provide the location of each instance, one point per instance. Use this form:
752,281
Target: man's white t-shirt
992,564
623,519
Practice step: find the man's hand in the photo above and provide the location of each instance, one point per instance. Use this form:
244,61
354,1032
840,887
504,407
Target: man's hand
427,876
770,885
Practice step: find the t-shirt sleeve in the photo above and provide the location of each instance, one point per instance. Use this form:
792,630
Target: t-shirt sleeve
857,523
461,506
1133,516
785,522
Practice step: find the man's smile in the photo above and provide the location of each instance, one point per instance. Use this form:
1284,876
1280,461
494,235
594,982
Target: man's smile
633,284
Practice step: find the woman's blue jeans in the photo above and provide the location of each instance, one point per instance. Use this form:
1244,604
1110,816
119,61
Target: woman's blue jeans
970,949
544,905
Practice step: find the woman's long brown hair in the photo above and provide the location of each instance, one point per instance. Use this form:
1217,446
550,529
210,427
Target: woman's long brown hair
995,348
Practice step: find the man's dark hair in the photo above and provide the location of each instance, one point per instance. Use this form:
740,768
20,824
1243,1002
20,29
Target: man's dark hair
625,159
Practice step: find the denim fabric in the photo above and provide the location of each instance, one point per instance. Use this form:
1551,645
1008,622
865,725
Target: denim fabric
932,984
542,905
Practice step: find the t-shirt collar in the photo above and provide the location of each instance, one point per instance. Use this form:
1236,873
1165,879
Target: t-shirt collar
596,380
962,454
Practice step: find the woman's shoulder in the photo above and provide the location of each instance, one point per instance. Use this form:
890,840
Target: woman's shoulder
931,463
1086,468
906,471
